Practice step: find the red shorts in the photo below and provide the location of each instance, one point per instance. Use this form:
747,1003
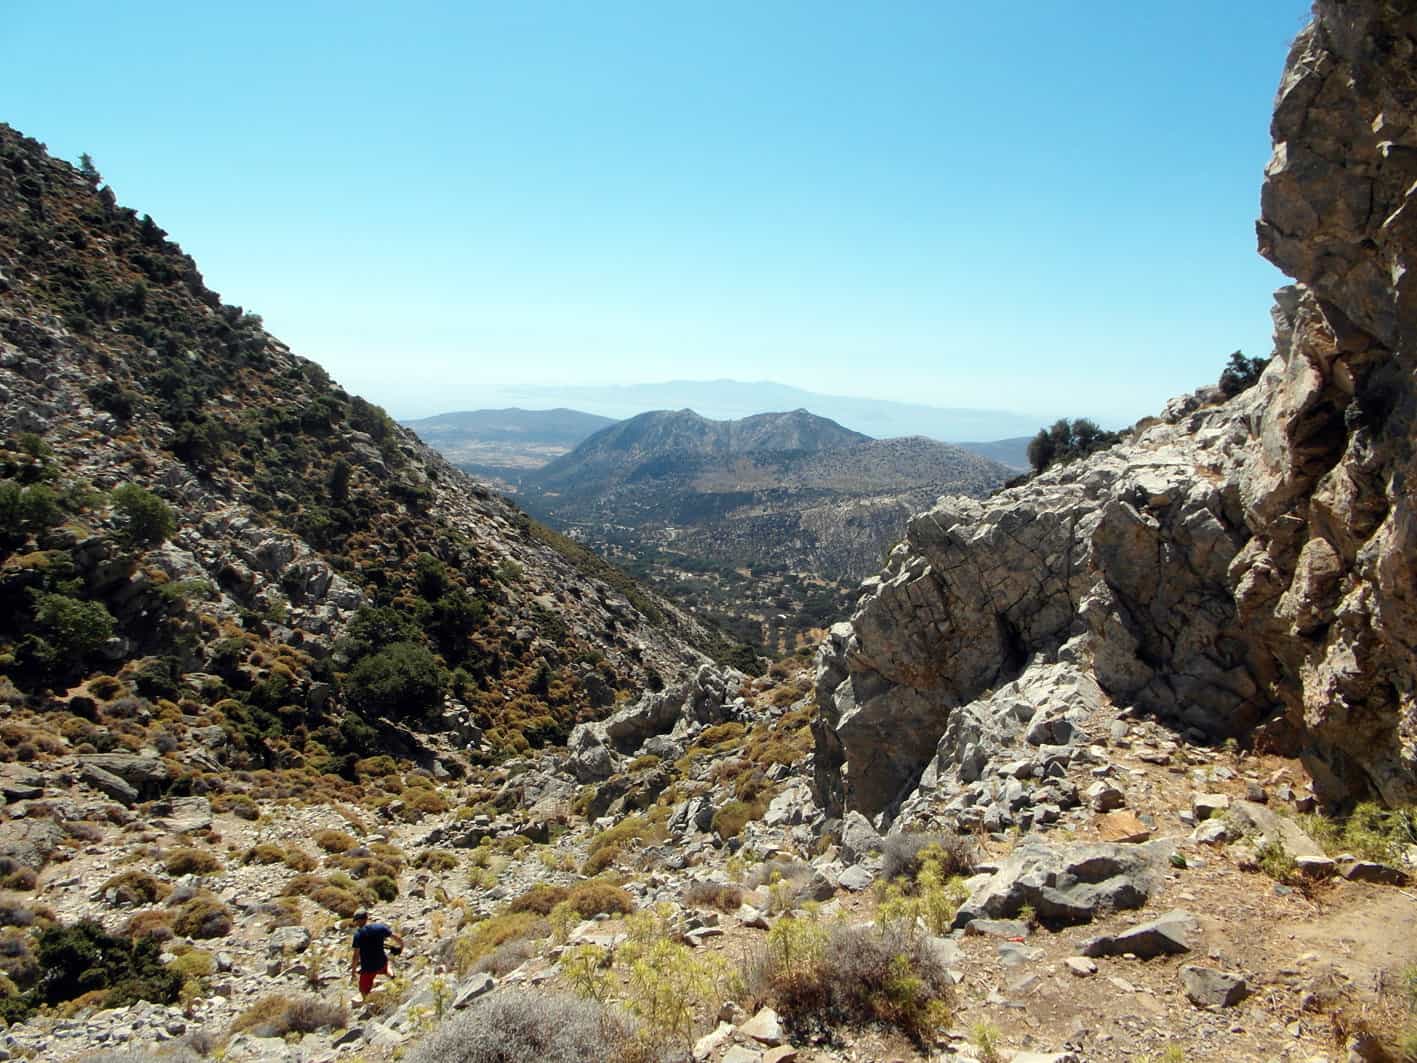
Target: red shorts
366,979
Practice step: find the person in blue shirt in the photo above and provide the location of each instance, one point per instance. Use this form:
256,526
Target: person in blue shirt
370,960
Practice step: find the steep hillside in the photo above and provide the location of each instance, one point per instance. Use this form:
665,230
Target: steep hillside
1241,570
765,524
199,526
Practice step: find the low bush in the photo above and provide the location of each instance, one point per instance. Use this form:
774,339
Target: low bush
515,1025
820,977
492,933
335,841
540,899
79,959
189,861
720,895
606,847
436,860
150,924
1369,832
134,888
203,917
901,854
278,1014
598,897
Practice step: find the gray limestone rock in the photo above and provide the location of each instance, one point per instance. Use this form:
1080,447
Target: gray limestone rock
858,838
1169,934
1066,883
1211,988
105,782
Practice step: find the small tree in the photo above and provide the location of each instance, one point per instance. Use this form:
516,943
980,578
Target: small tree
1240,373
88,171
144,519
403,679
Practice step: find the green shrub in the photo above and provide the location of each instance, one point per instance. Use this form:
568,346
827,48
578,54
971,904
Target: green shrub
82,958
144,519
72,629
729,821
724,897
335,841
1241,373
404,679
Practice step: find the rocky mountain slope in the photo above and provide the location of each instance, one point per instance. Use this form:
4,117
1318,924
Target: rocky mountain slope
1240,569
764,523
194,513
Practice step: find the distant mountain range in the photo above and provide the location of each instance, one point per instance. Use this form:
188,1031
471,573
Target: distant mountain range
767,523
506,444
732,399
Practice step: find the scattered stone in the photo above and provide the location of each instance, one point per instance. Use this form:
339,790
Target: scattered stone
764,1027
288,939
1007,929
1122,827
1012,954
780,1054
1274,829
109,784
1369,871
1213,832
739,1054
712,1041
858,838
1080,966
856,878
1167,935
1204,806
475,986
1210,988
1104,797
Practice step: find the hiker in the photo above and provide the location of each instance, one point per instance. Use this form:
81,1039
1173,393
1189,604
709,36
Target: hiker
370,959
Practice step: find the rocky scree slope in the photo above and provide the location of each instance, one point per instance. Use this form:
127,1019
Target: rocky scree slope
1241,569
200,520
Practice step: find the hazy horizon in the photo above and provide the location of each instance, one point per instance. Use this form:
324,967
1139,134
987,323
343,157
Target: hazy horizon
1032,209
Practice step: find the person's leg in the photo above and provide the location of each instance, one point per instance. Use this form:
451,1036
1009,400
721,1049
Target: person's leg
366,982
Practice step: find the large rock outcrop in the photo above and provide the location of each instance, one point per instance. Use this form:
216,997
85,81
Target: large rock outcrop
1231,566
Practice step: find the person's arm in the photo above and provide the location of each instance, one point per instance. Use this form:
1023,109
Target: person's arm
354,962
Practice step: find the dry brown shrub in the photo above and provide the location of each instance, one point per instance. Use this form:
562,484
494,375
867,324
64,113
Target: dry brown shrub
720,895
334,841
203,917
135,887
190,861
153,923
277,1015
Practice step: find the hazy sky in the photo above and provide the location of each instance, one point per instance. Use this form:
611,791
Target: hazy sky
1038,206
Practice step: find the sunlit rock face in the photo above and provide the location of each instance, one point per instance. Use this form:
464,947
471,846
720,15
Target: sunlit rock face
1238,568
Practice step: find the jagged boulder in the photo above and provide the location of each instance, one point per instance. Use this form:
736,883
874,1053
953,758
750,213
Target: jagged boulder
1067,883
597,750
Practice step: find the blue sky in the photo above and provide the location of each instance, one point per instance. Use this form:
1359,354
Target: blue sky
1046,207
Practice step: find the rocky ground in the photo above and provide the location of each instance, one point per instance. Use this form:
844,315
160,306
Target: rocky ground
1122,914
